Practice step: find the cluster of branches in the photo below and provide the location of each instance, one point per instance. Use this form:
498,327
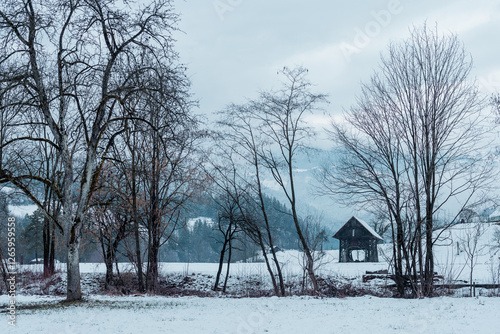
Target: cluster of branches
265,136
81,83
414,143
152,173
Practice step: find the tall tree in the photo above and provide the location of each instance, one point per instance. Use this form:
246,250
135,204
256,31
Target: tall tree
282,116
240,144
281,131
71,62
415,142
109,216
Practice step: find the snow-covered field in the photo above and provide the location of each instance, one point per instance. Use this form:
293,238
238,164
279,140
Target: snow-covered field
220,314
245,279
190,315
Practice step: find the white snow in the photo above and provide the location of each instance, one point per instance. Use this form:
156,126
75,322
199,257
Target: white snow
369,228
21,210
495,215
300,170
147,314
291,262
452,261
368,314
7,190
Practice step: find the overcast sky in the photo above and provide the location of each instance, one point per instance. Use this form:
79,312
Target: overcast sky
234,48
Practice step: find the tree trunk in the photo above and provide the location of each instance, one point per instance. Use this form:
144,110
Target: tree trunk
140,275
46,248
221,263
419,221
155,223
230,249
278,270
109,260
268,231
71,227
74,291
52,256
429,259
398,264
268,265
154,244
152,277
471,273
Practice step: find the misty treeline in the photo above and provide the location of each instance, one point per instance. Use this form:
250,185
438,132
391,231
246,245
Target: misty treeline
98,129
202,238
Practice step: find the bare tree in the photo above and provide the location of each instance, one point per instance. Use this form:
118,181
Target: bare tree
315,235
172,178
109,218
469,237
381,224
280,117
127,164
414,142
229,219
240,148
157,162
70,62
233,193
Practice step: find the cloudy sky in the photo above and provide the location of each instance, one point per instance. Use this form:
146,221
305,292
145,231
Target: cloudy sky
234,48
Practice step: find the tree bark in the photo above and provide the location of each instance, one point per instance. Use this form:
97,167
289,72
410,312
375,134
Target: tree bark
74,291
268,229
140,274
230,251
268,265
221,263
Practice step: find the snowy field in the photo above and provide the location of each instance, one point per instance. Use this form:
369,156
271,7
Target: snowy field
190,315
223,314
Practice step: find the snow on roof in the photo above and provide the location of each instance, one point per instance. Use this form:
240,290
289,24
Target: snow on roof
495,214
368,227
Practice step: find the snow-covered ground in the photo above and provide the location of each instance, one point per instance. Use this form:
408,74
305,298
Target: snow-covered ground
252,279
455,247
451,261
245,279
190,315
220,314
